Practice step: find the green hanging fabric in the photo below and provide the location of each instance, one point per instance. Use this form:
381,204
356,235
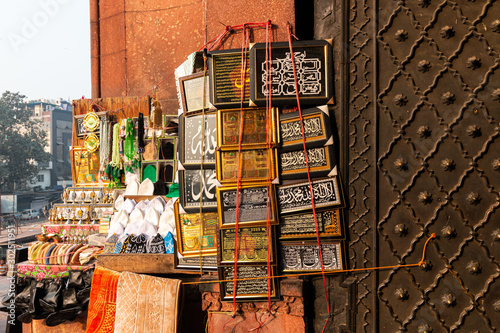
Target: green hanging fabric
128,144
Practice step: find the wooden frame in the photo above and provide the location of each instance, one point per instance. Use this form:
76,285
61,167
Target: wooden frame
321,162
190,140
253,208
317,129
296,197
314,70
252,246
192,93
330,224
245,286
188,233
253,165
255,132
189,190
303,256
225,76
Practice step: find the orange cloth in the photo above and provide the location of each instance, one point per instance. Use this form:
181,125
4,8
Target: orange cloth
102,303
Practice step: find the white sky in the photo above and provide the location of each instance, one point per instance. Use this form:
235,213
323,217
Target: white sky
45,48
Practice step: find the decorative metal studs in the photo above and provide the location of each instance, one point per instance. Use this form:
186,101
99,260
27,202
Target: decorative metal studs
448,164
424,66
495,26
401,294
496,165
424,3
496,235
401,230
473,63
401,164
424,132
496,95
426,265
474,131
425,328
448,98
447,32
474,268
448,232
425,198
401,35
400,100
449,300
474,198
496,306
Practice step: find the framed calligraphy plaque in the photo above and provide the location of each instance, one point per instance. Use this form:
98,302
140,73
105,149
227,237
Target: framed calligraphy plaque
313,67
246,289
256,205
255,127
330,224
303,256
253,165
192,93
194,146
317,129
297,197
226,79
194,187
208,263
321,162
253,245
197,233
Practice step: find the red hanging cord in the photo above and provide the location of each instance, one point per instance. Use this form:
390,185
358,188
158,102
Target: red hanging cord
297,92
238,183
269,119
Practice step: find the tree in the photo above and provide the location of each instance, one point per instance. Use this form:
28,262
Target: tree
22,142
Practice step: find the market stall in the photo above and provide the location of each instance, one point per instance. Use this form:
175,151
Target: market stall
220,205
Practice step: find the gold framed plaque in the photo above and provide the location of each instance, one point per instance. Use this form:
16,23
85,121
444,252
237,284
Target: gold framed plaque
85,168
91,121
253,245
248,288
255,131
330,224
317,129
194,240
254,165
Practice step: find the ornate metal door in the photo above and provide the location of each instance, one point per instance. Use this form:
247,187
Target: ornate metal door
421,99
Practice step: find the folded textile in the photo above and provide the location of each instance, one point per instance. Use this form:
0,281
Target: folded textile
146,304
102,304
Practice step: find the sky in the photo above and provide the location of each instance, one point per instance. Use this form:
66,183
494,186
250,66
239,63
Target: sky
45,48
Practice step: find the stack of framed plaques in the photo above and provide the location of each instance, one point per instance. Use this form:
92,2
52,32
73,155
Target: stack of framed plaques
251,172
197,218
252,204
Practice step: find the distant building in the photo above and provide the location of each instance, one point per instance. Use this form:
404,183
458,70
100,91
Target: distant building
57,121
